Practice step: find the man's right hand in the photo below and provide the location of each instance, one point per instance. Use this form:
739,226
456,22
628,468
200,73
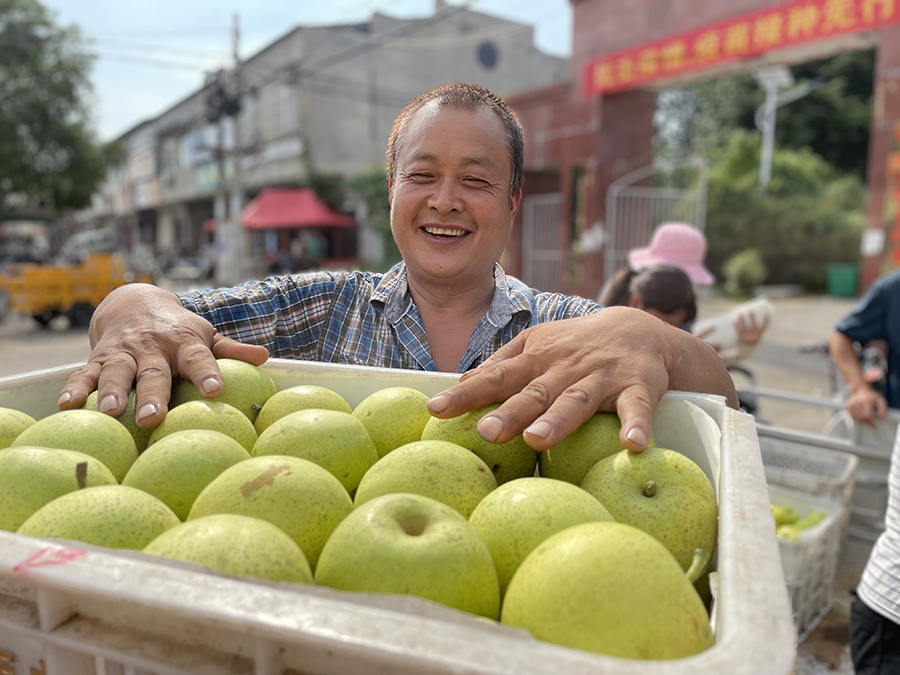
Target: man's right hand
142,336
865,404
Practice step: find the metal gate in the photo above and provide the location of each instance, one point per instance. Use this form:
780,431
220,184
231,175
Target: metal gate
645,198
542,252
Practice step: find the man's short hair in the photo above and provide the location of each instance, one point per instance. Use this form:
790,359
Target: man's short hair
466,97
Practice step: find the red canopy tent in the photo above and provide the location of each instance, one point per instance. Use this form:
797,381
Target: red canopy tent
288,208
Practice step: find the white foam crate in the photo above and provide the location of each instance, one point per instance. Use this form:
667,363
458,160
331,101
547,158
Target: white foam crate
804,466
69,609
810,564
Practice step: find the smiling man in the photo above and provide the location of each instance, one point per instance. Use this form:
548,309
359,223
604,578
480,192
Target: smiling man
455,160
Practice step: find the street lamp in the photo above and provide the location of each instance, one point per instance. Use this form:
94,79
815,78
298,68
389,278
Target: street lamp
773,78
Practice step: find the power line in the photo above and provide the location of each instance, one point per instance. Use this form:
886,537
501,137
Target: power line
300,70
157,48
402,31
149,61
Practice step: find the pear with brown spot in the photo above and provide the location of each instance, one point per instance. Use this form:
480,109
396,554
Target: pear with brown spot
298,496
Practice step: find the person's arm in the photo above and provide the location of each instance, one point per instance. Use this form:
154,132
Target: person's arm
554,376
749,332
142,335
864,403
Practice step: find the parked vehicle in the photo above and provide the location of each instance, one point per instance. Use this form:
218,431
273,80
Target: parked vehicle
73,289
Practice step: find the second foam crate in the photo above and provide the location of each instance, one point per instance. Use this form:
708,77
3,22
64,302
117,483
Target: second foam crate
810,563
813,470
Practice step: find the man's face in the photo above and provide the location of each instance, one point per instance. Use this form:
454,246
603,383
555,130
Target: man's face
450,210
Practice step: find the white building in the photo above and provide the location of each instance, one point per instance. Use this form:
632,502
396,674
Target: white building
330,91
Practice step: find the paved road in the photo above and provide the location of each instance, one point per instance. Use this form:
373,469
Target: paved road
26,347
778,362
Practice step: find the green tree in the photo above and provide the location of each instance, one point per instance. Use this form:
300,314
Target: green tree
810,215
329,187
371,186
833,120
49,155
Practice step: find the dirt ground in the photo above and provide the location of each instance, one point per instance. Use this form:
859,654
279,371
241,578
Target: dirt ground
779,364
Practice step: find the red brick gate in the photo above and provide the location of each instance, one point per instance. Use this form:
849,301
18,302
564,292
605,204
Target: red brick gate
582,136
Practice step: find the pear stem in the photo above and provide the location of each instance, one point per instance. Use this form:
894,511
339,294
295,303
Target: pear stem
81,470
698,564
650,488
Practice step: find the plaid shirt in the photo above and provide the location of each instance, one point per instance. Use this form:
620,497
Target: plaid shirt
367,319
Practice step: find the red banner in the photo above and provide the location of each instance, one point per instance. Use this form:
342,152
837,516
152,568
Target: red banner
786,25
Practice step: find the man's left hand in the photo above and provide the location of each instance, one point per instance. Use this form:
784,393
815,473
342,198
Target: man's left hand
554,376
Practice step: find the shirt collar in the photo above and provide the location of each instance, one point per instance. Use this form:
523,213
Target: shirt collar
510,300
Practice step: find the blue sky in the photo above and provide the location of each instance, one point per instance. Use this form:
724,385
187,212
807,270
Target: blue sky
150,54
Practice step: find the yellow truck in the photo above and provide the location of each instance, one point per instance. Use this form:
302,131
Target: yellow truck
46,291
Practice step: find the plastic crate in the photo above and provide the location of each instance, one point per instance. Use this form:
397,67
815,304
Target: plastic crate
815,471
74,610
810,564
871,449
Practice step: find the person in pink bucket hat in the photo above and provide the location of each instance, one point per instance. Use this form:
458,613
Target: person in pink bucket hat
684,246
677,244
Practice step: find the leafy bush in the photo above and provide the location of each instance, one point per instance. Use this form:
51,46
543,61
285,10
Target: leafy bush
809,216
371,187
744,271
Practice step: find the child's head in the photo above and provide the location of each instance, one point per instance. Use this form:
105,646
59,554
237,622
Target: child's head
662,290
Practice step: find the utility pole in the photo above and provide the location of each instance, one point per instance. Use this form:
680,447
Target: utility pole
770,78
773,78
230,268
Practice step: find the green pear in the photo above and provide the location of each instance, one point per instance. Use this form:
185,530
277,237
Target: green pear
438,469
299,397
114,516
513,459
177,467
87,431
12,423
213,415
794,530
239,545
811,519
784,515
244,386
570,459
393,417
411,544
127,419
661,492
517,516
31,477
334,440
787,532
303,499
609,588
